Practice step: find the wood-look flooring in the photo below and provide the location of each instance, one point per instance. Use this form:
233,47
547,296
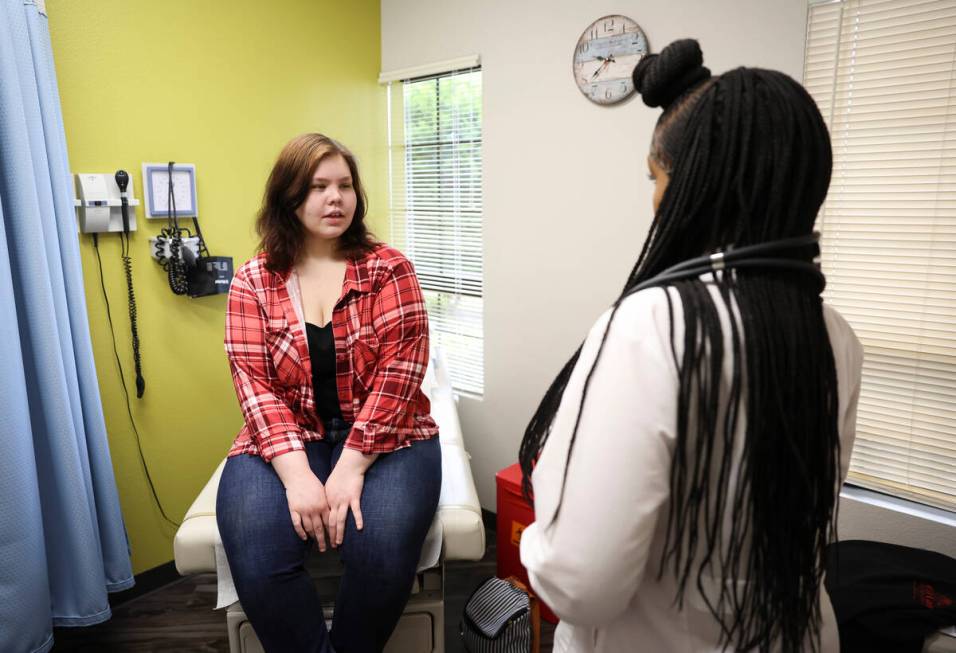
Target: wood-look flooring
179,617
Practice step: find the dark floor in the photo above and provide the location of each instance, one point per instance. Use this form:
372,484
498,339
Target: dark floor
180,617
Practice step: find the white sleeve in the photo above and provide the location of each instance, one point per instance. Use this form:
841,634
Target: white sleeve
848,359
588,563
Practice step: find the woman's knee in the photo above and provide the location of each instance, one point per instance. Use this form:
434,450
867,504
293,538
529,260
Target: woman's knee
405,485
387,549
398,506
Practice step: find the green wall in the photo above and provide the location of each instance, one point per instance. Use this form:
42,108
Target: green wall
222,85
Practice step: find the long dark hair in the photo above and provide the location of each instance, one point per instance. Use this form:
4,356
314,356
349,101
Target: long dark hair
281,233
749,160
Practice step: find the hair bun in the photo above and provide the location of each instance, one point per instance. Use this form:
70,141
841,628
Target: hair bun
662,78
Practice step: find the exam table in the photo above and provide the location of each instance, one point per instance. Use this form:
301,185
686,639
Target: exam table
457,533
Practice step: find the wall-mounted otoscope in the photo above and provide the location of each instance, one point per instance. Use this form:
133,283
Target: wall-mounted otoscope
103,203
122,181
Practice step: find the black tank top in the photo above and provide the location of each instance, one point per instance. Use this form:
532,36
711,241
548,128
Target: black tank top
322,353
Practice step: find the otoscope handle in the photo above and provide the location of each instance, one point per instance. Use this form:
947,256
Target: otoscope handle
122,181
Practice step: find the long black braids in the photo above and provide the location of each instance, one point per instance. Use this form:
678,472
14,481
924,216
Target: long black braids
749,160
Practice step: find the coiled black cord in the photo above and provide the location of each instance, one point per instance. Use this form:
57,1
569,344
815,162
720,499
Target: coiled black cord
129,408
134,329
176,267
160,249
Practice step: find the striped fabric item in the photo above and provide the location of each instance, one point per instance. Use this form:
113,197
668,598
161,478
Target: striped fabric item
497,619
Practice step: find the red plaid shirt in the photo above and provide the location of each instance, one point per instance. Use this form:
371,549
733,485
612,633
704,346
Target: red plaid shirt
380,329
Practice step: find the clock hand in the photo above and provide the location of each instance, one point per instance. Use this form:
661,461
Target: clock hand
601,69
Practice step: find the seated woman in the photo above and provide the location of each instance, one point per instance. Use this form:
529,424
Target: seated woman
687,460
327,339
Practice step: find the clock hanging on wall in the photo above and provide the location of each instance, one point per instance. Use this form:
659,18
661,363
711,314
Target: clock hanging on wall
605,56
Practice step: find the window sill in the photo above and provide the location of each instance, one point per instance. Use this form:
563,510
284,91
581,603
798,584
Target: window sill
896,504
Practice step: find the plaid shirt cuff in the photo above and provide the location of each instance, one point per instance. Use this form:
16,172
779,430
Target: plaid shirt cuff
368,440
279,444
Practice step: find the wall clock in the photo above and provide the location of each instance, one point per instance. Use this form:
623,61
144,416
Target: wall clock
605,56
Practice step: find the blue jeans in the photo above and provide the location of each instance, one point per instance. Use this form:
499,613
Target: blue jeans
267,557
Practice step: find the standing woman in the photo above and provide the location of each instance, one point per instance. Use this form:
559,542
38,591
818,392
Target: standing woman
327,339
687,460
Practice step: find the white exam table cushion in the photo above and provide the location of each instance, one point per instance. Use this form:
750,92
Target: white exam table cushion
458,530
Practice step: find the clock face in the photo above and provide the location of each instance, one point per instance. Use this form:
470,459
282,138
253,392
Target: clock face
605,57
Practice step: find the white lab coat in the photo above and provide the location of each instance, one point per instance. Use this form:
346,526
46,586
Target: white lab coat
596,566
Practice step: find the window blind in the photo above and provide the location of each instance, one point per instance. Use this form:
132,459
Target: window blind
883,73
435,208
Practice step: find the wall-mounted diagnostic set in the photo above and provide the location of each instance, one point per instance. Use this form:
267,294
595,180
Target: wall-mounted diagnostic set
106,204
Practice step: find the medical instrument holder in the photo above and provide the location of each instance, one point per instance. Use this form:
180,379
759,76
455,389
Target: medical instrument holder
99,205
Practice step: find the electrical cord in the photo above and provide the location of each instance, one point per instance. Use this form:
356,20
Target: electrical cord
170,247
203,250
122,182
134,329
176,267
160,249
129,409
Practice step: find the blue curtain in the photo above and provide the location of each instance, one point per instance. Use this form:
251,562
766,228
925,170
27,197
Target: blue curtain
63,545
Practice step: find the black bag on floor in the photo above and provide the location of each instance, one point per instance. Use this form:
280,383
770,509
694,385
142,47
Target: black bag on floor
889,598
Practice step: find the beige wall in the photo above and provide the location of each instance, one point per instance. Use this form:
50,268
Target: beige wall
567,200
